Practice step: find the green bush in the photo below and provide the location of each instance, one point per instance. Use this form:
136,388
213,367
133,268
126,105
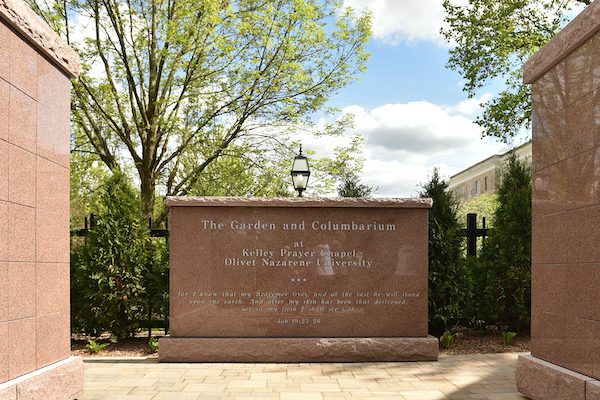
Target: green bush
505,279
118,275
449,284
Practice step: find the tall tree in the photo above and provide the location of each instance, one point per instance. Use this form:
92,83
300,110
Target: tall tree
449,287
492,40
171,85
506,257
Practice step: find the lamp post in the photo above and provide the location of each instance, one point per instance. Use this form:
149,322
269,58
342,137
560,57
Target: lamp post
300,173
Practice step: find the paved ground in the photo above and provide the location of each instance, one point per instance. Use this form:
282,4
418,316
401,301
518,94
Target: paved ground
477,376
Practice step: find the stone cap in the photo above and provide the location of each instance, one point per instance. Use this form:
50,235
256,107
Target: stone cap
568,39
339,202
19,16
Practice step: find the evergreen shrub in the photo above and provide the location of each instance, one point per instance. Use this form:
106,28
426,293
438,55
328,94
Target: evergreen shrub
449,284
504,282
118,275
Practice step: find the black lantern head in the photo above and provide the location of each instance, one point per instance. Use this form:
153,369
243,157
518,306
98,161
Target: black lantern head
300,173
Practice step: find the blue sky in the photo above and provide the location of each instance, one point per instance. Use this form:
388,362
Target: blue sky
409,107
404,72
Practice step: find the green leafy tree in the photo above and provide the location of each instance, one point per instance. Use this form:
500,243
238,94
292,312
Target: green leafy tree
243,171
506,257
328,171
484,206
346,169
493,39
164,79
449,287
109,269
87,174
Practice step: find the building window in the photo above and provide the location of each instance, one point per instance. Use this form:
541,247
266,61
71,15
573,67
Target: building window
477,186
485,184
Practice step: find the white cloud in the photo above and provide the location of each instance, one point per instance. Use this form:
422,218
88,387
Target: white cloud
394,178
415,127
403,20
469,107
404,142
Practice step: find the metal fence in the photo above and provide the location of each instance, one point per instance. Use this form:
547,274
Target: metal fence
89,223
472,232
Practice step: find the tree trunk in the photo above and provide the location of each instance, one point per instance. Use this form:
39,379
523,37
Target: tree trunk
147,189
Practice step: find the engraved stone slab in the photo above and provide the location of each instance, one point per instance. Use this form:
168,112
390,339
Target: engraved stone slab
298,268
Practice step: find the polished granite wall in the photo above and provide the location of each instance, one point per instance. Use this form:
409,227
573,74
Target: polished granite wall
566,205
34,208
35,72
35,68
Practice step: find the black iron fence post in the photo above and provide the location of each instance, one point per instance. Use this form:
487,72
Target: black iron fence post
472,233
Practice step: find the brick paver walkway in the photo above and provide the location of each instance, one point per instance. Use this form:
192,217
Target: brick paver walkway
477,376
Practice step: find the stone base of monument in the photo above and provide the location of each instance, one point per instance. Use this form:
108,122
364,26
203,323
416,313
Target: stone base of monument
62,380
284,350
541,380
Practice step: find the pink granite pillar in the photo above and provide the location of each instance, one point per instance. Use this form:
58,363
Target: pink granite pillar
565,331
35,72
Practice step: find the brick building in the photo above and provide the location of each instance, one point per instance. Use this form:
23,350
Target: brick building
484,177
